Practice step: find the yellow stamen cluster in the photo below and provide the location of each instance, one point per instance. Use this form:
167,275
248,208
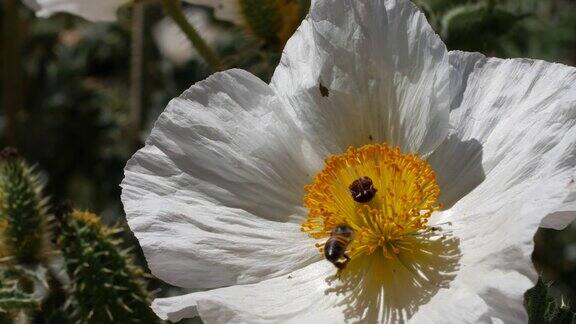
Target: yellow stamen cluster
406,196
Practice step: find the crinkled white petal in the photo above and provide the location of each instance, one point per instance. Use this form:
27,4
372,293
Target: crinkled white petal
518,118
434,285
457,162
458,167
93,10
357,72
174,45
292,296
515,127
313,295
225,10
215,196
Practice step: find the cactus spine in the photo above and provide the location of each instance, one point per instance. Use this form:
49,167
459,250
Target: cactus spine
23,217
105,285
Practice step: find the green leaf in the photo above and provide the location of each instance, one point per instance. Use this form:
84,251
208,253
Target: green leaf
542,308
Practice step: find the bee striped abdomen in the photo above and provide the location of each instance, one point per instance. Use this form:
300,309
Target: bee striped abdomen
336,245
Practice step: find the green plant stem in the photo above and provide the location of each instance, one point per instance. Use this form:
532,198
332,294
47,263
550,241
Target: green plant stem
173,8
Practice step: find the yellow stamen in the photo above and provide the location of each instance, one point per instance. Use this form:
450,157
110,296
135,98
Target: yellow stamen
406,195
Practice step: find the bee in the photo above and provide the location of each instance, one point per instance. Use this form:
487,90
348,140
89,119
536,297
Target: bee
336,245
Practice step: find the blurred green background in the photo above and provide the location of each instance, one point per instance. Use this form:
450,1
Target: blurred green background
78,98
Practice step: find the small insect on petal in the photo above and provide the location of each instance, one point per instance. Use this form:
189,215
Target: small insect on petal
323,90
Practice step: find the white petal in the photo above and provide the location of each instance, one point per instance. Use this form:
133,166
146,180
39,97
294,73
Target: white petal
477,299
93,10
457,162
282,299
462,66
226,10
558,220
388,291
174,45
495,265
522,114
458,167
215,197
385,71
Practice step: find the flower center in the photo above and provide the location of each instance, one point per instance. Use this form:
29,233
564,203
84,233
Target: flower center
384,196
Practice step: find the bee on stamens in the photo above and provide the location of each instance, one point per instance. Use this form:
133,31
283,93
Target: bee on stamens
336,245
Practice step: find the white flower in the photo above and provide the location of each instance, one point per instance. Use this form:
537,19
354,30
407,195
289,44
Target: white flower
174,45
105,10
216,195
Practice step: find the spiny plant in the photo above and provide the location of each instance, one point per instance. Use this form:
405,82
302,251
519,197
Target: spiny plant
105,285
12,299
24,235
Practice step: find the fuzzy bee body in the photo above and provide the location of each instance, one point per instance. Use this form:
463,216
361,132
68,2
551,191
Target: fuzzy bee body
336,245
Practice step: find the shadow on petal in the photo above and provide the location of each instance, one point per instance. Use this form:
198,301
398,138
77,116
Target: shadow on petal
458,167
376,288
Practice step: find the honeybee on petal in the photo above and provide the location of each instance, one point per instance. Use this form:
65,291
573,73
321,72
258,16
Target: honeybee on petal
336,245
